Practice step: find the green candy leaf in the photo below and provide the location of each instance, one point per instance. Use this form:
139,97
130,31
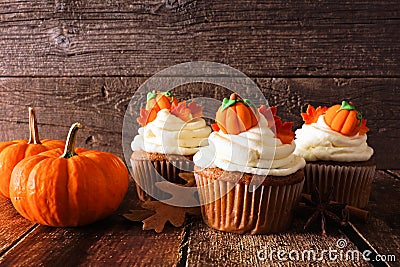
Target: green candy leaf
151,95
167,94
359,118
227,103
346,106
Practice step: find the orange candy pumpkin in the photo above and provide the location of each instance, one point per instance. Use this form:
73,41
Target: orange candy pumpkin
236,115
68,189
344,119
14,151
157,101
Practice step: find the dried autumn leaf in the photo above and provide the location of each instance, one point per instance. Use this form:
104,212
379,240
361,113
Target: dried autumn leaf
181,111
312,114
138,215
195,110
165,213
144,116
181,193
157,214
283,131
215,127
363,129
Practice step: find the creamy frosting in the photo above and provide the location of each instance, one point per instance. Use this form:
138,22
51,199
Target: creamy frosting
255,151
317,141
168,134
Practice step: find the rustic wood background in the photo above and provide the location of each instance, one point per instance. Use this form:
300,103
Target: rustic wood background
83,60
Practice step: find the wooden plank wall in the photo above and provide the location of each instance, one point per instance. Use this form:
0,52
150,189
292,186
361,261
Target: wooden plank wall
83,60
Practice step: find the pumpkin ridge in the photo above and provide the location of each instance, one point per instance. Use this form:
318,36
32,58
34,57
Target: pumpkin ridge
18,185
110,162
77,183
100,189
339,120
350,124
59,200
9,158
34,195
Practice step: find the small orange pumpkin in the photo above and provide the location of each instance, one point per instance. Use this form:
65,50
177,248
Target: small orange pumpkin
14,151
68,189
157,101
344,119
236,115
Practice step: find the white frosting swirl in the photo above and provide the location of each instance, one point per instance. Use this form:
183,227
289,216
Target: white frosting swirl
255,151
317,141
168,134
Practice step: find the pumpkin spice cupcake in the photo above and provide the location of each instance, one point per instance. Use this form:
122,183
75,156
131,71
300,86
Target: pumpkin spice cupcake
333,141
248,178
171,133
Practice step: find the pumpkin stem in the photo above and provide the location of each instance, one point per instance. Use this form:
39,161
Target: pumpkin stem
69,150
33,129
233,96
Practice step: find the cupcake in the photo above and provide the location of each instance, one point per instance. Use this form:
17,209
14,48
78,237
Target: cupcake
333,142
248,178
171,133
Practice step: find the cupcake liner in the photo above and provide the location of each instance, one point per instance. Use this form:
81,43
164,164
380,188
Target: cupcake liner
147,172
242,208
351,184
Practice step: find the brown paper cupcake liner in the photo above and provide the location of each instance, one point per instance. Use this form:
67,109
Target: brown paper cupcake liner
239,209
351,184
147,172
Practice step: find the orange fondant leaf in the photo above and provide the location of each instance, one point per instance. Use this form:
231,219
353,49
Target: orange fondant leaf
363,129
196,110
312,114
215,127
144,117
283,131
181,111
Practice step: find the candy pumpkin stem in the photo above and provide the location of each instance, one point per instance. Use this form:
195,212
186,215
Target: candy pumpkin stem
33,129
69,150
233,96
347,106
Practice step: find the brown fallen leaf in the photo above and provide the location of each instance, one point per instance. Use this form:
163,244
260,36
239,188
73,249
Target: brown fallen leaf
138,215
165,213
157,214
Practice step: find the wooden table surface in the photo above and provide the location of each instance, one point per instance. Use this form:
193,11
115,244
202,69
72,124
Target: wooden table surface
117,241
83,61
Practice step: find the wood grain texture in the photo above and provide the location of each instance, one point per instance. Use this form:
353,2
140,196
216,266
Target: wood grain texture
100,104
112,242
209,247
383,228
139,38
395,173
12,226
